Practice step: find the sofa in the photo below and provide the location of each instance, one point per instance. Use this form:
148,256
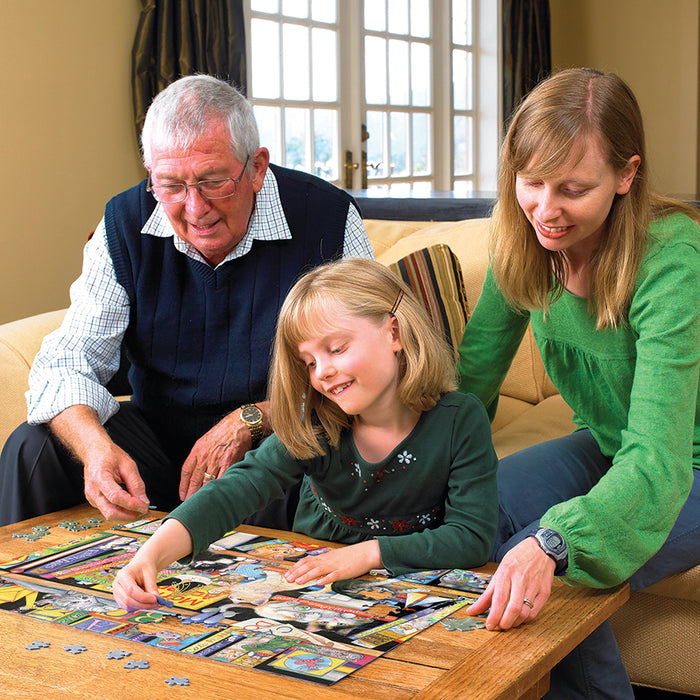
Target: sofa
659,628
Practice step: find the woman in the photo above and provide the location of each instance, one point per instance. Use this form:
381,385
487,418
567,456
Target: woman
608,274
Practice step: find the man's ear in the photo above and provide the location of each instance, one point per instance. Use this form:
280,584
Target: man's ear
261,161
627,174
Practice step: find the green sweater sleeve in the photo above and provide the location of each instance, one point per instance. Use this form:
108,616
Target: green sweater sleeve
490,341
245,488
651,432
467,534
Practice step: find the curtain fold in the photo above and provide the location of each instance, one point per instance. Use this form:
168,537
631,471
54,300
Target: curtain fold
527,52
183,37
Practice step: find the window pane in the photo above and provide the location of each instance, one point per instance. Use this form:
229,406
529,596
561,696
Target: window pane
297,147
295,8
296,62
461,22
264,41
375,70
462,188
463,146
398,72
264,5
398,16
376,158
398,134
325,61
326,143
421,136
461,77
375,15
420,18
420,75
323,10
268,119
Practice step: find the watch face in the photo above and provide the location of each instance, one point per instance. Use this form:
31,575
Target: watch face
251,414
554,541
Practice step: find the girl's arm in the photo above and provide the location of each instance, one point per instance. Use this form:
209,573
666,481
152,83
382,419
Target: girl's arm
135,585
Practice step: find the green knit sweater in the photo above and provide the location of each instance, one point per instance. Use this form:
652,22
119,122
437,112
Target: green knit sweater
431,503
635,387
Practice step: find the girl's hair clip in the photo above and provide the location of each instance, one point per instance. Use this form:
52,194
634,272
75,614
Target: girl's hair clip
397,302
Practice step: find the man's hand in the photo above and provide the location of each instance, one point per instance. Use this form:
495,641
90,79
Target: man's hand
338,564
112,480
526,573
225,444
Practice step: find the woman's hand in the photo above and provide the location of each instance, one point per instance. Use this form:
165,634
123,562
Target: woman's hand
525,574
345,562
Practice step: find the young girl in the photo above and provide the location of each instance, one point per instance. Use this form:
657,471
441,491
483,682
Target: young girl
394,462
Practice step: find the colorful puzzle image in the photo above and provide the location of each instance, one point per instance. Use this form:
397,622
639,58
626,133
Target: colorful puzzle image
232,603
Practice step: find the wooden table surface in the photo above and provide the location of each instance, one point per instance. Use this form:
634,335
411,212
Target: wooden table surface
437,663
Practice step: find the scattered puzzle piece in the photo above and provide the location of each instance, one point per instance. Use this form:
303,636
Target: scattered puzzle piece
33,646
95,520
463,625
75,648
137,664
118,654
176,680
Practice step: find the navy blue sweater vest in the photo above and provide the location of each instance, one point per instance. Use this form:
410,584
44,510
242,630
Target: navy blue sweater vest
199,339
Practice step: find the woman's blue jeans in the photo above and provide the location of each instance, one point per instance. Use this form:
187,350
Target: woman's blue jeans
532,480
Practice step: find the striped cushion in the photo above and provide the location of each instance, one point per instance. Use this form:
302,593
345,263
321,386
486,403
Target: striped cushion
435,276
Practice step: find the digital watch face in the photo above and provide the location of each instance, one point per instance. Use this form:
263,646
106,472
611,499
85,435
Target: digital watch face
554,541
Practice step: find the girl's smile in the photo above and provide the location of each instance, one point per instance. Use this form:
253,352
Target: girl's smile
353,362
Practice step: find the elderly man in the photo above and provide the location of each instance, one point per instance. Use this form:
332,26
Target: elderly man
187,271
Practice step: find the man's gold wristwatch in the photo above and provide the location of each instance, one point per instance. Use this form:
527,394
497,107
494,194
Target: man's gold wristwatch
252,416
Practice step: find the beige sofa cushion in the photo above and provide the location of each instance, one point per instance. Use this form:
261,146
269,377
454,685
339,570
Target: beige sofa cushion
19,343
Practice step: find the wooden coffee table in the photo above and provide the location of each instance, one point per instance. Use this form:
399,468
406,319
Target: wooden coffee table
437,663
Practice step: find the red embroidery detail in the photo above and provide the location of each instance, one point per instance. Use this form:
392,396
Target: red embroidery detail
400,525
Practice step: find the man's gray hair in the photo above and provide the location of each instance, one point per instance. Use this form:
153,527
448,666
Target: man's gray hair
184,111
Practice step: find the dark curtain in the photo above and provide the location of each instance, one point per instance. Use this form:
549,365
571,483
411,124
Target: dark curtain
183,37
527,53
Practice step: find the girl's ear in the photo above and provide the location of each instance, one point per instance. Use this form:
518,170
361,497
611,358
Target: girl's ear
627,174
395,335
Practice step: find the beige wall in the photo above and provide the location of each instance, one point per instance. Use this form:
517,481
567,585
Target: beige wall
68,142
653,46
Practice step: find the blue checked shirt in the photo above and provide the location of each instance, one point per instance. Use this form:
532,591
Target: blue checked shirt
77,359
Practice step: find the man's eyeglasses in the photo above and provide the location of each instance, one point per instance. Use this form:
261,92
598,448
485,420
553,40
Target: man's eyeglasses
209,189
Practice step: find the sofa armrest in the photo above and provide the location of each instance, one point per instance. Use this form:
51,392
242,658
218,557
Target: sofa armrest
19,343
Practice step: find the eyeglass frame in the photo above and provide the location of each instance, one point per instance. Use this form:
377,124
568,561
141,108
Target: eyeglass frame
236,181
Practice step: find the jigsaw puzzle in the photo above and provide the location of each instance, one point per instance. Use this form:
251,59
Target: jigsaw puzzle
232,603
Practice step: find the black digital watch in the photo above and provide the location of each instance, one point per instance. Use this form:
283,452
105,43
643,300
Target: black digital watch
552,544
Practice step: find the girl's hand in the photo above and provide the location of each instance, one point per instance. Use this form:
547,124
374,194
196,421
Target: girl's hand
135,586
526,573
345,562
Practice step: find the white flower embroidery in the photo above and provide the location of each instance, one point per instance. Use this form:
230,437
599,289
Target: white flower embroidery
424,519
372,523
357,469
405,457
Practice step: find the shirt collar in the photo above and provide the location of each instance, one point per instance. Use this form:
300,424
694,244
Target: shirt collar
267,223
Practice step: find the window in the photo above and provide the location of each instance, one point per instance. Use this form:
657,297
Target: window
381,94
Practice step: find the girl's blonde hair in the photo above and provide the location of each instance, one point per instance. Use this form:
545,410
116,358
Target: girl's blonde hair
555,124
365,289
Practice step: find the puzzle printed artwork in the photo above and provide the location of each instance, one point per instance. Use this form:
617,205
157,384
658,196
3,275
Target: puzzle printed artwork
232,603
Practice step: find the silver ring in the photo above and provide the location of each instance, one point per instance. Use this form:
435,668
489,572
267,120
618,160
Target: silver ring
529,603
208,477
